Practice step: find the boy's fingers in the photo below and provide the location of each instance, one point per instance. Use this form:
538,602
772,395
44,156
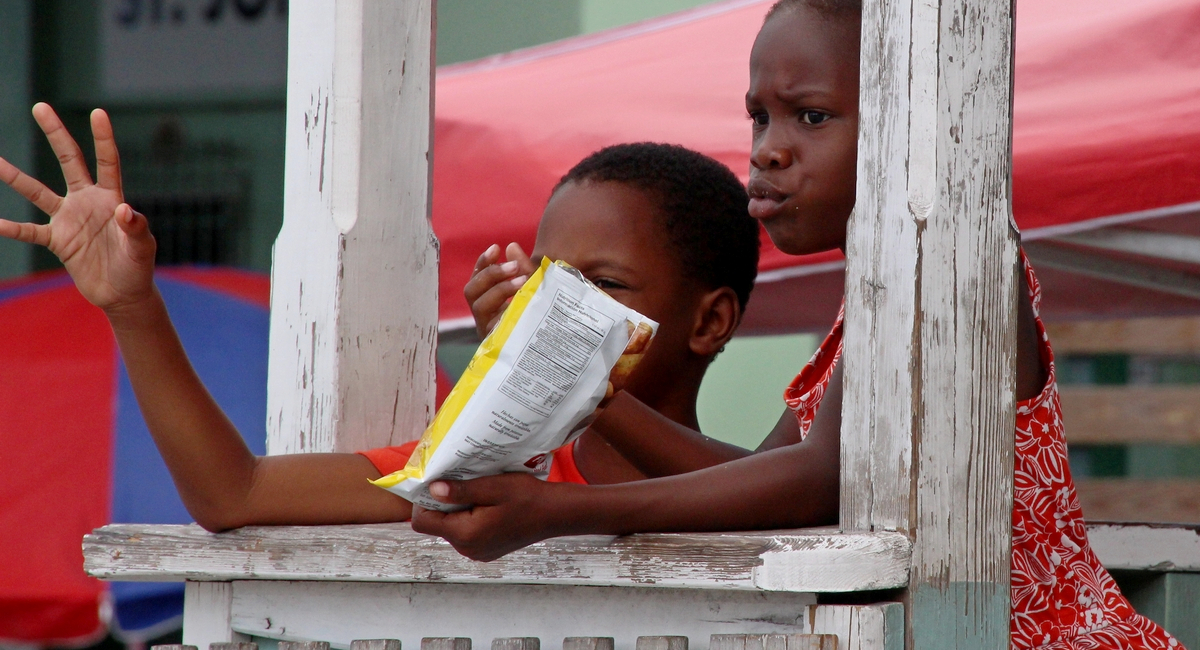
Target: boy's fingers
30,233
29,187
487,259
515,253
108,161
484,288
490,306
70,157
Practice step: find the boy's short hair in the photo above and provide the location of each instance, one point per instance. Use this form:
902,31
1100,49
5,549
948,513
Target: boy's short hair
702,203
828,8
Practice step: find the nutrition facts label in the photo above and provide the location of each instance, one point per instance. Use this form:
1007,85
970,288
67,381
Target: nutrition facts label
561,346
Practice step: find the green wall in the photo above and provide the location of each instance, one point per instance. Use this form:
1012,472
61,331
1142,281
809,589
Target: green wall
742,395
596,15
471,29
16,126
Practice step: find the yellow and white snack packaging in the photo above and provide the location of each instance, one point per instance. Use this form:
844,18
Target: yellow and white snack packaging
561,347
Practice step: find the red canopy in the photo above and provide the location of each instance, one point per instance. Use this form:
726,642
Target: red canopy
1107,123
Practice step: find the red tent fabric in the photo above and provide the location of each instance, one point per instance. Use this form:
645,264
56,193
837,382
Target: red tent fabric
1107,122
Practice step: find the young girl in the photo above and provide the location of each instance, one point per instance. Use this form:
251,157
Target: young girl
661,228
803,102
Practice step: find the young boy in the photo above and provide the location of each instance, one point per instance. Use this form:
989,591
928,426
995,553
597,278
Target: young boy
663,229
803,103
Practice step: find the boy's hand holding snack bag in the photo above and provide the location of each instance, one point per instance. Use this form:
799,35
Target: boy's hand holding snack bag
560,348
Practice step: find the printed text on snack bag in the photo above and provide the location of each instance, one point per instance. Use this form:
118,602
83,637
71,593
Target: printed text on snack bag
565,340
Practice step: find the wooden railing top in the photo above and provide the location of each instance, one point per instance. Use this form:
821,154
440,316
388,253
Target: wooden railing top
1146,547
808,560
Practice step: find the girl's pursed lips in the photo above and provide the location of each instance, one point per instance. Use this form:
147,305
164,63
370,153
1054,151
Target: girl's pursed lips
765,199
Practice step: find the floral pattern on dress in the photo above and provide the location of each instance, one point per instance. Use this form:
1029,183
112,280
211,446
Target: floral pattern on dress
1062,598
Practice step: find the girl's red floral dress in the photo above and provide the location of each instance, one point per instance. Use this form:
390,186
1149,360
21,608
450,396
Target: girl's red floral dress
1062,598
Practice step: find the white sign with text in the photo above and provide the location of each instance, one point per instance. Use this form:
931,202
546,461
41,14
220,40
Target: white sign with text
170,48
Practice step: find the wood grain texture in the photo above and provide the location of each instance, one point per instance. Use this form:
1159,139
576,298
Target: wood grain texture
1140,500
1106,415
931,279
1127,336
588,643
661,643
445,643
795,561
354,278
375,644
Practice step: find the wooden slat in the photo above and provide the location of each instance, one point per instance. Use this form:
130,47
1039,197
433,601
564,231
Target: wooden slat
1128,336
208,614
931,290
1146,547
661,643
861,627
354,278
1140,500
1131,414
798,561
375,644
588,643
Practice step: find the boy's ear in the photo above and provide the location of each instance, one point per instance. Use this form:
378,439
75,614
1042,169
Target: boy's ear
717,317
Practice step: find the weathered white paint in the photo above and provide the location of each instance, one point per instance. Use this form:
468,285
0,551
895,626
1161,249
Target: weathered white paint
339,612
860,627
931,282
1146,547
208,614
354,279
815,560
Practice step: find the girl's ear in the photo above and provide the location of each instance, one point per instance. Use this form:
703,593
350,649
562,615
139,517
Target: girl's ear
717,317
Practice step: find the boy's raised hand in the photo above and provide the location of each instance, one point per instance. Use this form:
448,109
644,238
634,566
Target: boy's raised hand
106,246
493,284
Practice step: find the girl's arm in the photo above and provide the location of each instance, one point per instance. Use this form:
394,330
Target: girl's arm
792,486
655,444
109,252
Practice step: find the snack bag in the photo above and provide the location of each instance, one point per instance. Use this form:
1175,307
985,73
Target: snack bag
561,347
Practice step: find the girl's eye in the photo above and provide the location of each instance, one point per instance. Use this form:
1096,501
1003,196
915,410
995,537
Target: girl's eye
759,119
813,117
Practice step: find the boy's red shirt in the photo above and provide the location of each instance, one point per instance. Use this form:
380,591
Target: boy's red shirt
393,459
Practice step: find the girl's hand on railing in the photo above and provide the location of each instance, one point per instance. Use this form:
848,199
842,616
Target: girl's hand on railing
105,245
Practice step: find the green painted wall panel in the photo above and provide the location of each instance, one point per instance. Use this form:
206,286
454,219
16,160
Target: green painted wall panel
16,125
603,14
471,29
742,396
960,615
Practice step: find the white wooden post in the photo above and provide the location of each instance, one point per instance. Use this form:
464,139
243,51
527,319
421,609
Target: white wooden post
354,279
927,433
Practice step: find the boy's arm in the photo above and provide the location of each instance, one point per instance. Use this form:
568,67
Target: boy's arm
109,252
222,484
792,486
